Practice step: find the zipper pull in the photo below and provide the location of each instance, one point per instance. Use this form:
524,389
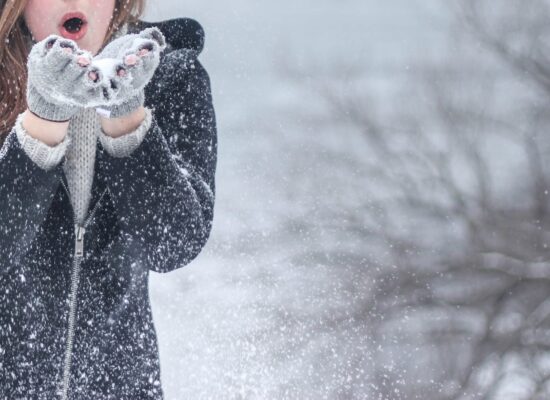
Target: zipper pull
79,243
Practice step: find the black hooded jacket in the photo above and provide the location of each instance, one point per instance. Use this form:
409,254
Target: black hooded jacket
152,210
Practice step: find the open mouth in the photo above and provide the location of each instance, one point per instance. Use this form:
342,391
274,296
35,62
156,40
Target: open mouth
73,25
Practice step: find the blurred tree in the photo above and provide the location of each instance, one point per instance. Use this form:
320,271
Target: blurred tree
440,202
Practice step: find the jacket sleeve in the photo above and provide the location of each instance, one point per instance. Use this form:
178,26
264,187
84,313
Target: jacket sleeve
163,192
26,192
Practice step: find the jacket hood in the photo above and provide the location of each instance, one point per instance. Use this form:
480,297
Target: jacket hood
180,33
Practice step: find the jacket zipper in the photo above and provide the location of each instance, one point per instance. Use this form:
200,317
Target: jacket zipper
80,230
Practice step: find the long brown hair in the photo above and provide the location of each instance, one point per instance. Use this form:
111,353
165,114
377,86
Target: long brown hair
14,49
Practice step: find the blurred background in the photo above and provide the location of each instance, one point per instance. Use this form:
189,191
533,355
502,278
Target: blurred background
382,213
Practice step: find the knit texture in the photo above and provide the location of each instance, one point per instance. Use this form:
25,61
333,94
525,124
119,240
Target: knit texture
124,145
47,110
130,86
43,155
79,149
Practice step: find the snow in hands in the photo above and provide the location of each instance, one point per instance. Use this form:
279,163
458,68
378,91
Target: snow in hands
110,78
141,55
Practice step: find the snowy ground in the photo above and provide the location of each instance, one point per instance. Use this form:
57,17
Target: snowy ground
250,318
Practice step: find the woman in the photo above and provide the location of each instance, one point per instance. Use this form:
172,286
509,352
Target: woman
101,181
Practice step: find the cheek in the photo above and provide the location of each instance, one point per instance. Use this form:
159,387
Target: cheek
39,18
102,10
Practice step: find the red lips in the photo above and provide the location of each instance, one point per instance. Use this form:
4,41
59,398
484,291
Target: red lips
73,25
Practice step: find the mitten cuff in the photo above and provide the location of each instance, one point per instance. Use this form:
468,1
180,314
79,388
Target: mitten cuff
127,107
45,156
124,145
47,110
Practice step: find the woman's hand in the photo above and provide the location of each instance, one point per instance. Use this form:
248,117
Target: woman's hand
126,66
63,78
60,79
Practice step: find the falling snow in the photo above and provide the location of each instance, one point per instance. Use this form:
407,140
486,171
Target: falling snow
371,226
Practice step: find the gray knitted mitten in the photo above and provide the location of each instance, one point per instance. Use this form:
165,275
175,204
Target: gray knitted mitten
58,82
125,66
